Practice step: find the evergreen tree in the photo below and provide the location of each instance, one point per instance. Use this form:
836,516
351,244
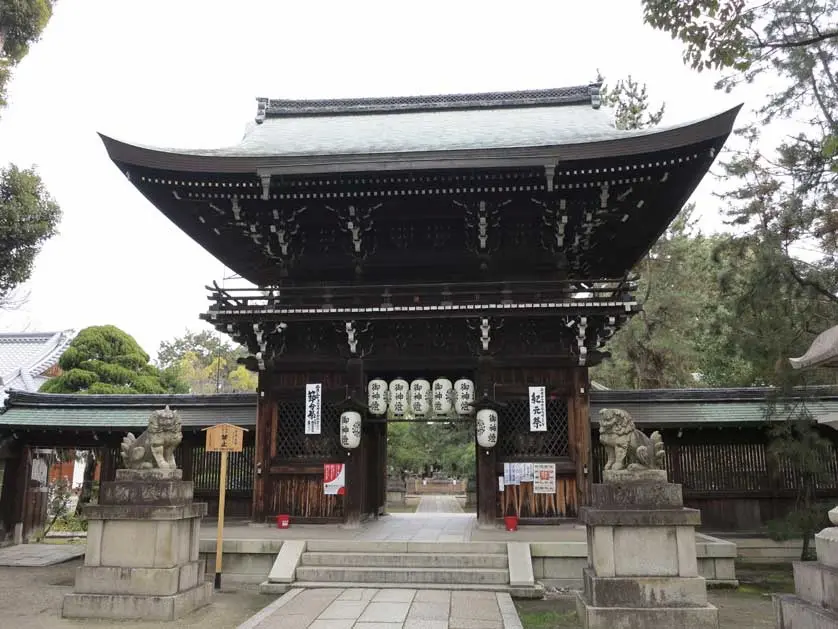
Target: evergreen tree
104,359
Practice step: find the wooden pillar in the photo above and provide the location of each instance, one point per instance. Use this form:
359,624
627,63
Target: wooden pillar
11,499
188,454
108,465
264,436
355,472
579,417
382,467
487,481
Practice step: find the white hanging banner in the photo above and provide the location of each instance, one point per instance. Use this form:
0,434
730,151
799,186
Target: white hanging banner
538,409
313,403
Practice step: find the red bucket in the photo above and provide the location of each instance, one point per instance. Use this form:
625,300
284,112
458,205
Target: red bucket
511,522
283,521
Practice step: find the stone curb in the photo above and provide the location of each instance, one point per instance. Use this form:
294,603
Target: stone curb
254,621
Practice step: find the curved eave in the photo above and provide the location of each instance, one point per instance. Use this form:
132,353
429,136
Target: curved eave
632,143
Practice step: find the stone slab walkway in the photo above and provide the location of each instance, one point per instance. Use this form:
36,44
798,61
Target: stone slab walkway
39,555
363,608
439,504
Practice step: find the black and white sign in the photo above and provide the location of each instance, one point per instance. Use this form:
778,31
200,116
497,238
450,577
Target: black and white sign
538,409
313,403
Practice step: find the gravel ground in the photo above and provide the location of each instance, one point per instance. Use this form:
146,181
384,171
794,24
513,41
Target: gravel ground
30,598
737,610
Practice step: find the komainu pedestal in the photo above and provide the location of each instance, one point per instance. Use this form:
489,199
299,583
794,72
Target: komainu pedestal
142,540
815,602
642,570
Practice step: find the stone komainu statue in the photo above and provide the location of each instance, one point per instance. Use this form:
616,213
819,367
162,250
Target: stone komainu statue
626,446
155,448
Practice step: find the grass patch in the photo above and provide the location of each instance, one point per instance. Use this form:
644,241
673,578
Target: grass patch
765,578
402,508
547,614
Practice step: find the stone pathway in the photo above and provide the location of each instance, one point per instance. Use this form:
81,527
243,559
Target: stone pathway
361,608
39,555
439,504
420,527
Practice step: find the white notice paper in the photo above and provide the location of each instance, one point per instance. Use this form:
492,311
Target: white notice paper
511,474
313,409
526,472
538,409
544,478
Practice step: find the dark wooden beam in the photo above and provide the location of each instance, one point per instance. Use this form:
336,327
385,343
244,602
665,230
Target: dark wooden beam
487,482
355,460
580,433
265,435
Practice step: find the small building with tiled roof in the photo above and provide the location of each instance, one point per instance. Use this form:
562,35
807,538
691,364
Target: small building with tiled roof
28,359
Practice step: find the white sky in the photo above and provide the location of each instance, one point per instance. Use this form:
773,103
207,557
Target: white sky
185,73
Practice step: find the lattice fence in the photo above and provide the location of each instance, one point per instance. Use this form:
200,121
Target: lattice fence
294,444
517,442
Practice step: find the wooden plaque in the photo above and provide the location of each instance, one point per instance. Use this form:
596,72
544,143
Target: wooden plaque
225,438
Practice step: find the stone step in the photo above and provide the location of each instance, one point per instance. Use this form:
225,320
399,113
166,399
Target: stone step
404,560
448,548
793,612
536,592
391,575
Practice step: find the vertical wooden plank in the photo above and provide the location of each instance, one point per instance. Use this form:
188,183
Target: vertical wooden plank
264,437
487,482
355,471
219,534
582,434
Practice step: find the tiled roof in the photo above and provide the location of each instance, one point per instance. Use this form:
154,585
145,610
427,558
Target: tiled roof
24,356
439,125
125,411
822,353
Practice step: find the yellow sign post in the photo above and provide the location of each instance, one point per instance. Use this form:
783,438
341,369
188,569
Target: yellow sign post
222,438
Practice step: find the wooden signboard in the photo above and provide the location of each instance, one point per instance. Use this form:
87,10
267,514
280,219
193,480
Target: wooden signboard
222,438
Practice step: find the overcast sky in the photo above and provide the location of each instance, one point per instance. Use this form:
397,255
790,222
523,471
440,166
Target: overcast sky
185,74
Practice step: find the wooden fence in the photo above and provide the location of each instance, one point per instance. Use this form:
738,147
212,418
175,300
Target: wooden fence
736,484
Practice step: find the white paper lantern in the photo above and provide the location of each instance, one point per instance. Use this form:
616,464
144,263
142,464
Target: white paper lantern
399,395
350,429
486,428
463,396
377,396
420,397
442,397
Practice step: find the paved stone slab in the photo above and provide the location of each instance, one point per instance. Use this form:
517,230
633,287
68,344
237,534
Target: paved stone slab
429,611
421,623
39,555
369,608
385,612
394,596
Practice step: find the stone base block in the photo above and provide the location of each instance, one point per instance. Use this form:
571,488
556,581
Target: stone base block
816,583
152,474
826,545
591,617
644,591
158,492
792,612
612,516
634,476
143,543
133,607
139,581
637,495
